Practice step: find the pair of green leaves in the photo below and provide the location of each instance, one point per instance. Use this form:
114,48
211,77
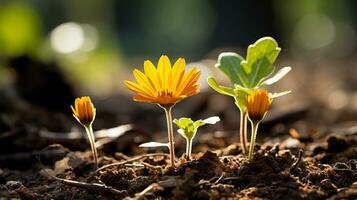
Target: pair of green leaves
188,127
252,72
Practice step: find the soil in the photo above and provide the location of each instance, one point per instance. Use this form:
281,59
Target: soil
303,168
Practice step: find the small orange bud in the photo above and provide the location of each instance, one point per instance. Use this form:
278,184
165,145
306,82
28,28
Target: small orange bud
258,104
83,110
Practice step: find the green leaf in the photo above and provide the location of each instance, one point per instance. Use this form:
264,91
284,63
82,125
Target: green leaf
230,64
260,58
218,88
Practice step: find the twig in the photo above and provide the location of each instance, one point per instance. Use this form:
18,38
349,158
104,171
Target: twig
151,187
89,186
220,178
155,187
132,160
151,166
293,166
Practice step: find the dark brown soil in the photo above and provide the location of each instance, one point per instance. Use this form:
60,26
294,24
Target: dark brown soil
326,170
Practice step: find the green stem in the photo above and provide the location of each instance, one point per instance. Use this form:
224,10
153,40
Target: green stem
243,132
170,133
91,139
188,148
252,139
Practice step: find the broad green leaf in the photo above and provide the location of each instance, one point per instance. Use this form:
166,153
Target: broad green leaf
279,75
230,64
278,94
218,88
260,58
154,144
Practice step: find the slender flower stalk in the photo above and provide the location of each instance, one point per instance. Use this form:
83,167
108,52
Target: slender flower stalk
165,86
90,135
258,104
84,112
253,138
170,132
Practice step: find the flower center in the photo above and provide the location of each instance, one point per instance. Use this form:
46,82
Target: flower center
165,93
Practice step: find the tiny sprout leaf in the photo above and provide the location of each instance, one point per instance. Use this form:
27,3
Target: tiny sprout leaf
279,75
279,94
212,120
188,127
183,122
154,144
220,89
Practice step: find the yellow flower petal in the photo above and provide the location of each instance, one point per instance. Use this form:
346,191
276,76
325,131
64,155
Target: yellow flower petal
143,82
164,71
151,74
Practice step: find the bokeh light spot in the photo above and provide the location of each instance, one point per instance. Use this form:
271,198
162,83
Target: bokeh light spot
314,31
67,37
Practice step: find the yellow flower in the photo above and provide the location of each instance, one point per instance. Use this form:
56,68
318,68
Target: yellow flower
165,85
83,110
258,104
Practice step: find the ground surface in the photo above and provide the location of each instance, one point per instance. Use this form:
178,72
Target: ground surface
326,170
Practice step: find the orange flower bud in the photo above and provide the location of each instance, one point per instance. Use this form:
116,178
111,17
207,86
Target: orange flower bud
258,104
83,110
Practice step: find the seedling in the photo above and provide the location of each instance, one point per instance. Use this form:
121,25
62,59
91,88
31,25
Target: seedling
247,75
188,129
84,112
165,86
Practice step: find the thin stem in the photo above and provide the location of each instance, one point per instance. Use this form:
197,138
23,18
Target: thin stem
91,139
252,139
170,133
188,148
243,132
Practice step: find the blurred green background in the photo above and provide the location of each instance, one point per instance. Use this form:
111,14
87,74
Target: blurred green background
97,42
